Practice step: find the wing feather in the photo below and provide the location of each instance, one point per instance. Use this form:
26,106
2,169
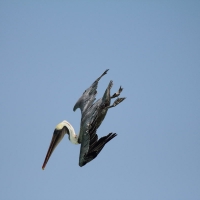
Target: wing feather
88,97
90,145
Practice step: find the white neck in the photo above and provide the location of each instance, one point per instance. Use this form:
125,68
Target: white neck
72,135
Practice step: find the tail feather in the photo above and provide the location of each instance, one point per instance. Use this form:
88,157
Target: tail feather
98,146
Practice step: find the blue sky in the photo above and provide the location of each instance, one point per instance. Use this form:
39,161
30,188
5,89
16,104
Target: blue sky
52,51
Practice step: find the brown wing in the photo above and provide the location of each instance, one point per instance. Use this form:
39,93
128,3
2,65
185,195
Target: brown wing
91,146
88,97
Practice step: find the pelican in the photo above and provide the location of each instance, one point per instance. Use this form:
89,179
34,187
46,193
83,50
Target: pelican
92,116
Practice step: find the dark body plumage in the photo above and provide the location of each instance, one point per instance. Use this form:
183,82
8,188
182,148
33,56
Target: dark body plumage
92,116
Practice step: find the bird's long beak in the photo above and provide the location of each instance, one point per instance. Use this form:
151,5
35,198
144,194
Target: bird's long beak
57,137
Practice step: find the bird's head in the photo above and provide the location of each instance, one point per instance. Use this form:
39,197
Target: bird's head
58,134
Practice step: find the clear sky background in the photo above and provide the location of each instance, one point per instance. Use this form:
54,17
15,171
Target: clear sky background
51,51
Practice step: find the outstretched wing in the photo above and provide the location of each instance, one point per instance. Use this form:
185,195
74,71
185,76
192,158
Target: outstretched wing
88,97
90,145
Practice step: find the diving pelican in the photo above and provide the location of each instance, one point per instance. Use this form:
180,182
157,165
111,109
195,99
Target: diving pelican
92,116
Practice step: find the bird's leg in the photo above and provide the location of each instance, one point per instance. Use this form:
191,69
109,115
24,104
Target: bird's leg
116,94
116,102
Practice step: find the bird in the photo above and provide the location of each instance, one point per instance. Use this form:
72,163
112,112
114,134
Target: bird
92,115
